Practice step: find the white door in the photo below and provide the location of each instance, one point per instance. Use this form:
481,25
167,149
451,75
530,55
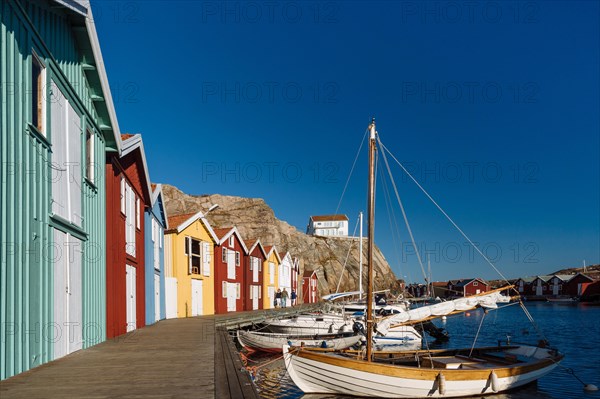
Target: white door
197,298
255,297
538,288
555,289
171,297
156,297
130,297
231,297
231,264
67,294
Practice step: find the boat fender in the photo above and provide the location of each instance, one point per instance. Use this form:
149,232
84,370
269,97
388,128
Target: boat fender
358,328
493,381
323,344
441,383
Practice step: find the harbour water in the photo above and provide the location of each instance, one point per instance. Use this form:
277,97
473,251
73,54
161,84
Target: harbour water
573,328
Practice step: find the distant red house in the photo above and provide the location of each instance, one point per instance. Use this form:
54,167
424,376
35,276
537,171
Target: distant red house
467,287
577,285
523,285
310,292
253,275
229,273
540,286
295,274
127,194
557,284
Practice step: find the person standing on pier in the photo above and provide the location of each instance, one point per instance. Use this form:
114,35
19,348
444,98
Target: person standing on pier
284,297
293,297
278,298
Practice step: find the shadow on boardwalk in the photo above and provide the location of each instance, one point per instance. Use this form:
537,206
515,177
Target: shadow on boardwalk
170,359
173,358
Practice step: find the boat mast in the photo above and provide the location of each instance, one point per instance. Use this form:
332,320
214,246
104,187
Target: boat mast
371,237
360,250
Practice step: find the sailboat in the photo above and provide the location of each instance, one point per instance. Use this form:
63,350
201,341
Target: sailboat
418,373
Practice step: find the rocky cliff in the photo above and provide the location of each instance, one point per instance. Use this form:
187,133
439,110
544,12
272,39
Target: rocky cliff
255,219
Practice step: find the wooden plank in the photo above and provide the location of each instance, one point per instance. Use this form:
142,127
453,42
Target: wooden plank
221,382
243,377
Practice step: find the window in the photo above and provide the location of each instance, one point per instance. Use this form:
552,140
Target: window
475,284
231,241
224,255
237,258
89,153
194,255
67,162
130,202
271,273
38,85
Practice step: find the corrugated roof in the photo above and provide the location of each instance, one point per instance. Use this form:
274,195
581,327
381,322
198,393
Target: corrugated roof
564,277
325,218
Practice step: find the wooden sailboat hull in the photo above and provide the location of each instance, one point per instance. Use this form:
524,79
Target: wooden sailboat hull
269,342
326,372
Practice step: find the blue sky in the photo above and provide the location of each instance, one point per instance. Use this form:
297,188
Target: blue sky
494,107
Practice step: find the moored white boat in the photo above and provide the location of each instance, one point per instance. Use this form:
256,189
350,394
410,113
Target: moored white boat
310,324
453,374
273,342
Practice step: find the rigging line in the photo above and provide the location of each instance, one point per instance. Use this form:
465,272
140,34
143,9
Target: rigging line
412,238
391,216
445,214
477,335
351,170
394,219
346,260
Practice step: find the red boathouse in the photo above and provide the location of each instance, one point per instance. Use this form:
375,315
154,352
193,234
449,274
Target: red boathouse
127,193
230,252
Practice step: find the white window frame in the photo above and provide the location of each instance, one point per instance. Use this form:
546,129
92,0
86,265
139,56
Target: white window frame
205,258
130,230
237,258
192,255
123,196
138,221
224,255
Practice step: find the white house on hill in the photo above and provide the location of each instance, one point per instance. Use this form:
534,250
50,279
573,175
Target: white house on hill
328,225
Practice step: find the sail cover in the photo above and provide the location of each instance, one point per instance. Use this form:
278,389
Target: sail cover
489,300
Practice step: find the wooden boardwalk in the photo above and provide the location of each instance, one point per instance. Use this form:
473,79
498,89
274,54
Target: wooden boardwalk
176,358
